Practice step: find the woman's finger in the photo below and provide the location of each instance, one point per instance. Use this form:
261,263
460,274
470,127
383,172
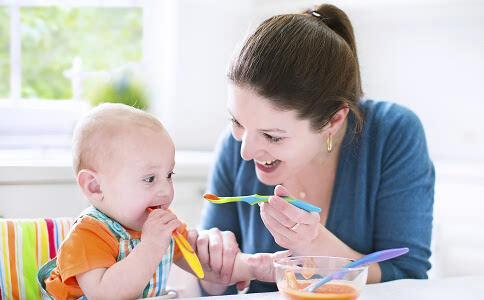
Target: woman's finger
215,249
202,249
281,191
192,237
273,211
276,228
230,250
292,212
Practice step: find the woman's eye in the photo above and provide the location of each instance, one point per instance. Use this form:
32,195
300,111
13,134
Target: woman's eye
272,139
235,122
149,179
170,175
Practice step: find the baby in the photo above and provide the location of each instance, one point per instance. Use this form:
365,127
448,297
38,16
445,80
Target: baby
121,247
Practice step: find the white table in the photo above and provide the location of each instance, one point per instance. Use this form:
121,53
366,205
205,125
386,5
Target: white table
467,288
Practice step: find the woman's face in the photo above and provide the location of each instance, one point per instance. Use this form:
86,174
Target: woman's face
280,144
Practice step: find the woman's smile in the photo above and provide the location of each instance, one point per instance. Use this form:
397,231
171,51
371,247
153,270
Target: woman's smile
267,166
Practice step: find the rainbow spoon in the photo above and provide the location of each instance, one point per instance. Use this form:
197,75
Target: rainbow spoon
188,253
254,199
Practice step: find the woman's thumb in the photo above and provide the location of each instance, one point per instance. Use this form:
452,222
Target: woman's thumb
280,191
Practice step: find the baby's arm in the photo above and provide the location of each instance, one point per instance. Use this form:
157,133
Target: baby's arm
257,266
127,278
247,267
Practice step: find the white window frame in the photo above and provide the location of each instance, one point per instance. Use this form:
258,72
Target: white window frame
15,26
16,114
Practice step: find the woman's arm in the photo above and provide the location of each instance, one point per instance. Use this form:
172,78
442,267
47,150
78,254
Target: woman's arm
403,212
302,233
404,206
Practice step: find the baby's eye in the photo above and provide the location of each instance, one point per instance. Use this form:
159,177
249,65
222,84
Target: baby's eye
149,179
170,175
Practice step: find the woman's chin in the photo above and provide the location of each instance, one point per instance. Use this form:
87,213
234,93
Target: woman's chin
268,179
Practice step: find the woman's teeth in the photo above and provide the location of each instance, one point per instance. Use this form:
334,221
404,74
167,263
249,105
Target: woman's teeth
268,163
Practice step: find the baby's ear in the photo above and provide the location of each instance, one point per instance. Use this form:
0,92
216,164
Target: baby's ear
89,184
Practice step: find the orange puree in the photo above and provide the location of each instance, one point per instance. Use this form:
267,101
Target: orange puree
329,291
211,197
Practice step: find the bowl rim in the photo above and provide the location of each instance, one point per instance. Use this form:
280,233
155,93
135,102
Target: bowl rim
277,263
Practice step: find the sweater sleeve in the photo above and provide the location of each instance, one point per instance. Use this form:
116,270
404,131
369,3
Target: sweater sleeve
405,199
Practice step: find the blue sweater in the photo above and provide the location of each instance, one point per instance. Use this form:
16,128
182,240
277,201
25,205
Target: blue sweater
382,197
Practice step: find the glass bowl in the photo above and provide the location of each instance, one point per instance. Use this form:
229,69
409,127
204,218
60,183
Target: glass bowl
293,274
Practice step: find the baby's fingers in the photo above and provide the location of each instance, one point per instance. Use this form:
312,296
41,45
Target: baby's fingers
172,225
164,219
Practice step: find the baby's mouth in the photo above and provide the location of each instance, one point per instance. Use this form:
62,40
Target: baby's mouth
154,207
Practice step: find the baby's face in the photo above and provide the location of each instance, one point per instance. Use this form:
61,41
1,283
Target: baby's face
138,176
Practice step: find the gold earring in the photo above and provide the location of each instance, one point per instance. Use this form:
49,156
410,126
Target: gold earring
329,143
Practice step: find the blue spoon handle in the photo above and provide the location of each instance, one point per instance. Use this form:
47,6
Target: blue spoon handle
374,257
305,205
254,199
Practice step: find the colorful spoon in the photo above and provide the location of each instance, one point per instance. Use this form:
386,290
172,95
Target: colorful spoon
188,253
364,261
254,199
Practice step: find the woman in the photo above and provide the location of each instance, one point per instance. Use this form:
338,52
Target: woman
300,127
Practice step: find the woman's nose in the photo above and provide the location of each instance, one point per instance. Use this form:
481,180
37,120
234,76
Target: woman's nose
249,147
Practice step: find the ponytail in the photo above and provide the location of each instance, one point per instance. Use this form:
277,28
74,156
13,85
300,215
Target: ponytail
338,21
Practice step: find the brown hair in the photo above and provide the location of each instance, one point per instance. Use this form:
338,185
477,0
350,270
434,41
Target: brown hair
305,62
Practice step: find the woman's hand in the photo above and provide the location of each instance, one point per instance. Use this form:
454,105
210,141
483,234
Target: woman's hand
217,251
291,227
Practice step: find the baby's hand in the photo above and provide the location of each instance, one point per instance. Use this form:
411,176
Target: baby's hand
158,228
262,267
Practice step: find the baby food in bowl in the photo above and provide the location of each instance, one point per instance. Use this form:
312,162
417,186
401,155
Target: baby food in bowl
294,275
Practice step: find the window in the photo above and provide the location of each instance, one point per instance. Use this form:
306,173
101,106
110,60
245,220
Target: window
46,49
52,37
4,62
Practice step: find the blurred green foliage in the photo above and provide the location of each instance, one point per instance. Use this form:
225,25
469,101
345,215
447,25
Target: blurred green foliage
4,50
125,88
104,38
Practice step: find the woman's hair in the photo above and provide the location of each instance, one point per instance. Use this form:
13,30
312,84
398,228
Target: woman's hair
305,62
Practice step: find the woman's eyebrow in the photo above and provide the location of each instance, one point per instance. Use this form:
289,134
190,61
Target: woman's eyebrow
273,130
261,130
